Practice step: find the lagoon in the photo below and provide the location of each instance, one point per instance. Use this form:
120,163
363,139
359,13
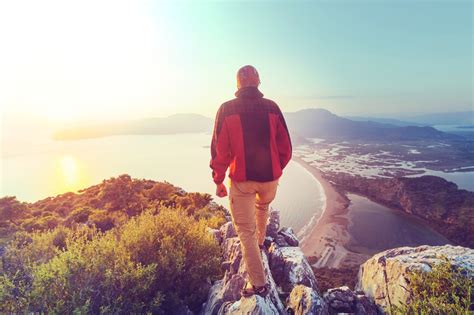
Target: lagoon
374,228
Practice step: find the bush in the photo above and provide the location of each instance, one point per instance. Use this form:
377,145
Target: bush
79,215
185,254
443,290
102,220
70,281
40,223
153,263
11,209
160,191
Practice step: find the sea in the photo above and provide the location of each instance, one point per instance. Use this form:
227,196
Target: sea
45,167
41,167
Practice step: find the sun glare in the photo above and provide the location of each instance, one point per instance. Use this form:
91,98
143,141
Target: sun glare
69,170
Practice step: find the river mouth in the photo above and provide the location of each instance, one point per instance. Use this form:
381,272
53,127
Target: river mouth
374,228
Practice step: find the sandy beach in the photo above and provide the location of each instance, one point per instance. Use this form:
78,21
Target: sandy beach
328,235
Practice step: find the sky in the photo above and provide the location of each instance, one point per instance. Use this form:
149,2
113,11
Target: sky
114,60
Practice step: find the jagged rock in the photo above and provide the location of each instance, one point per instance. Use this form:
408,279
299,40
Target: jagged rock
280,241
344,300
290,267
273,223
384,276
216,234
228,230
289,236
233,254
254,305
305,301
366,306
228,289
340,300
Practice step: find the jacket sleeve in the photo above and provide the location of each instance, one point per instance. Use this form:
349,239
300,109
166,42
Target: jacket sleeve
220,149
283,142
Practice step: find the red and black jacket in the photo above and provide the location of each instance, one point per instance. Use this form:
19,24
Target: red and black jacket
250,136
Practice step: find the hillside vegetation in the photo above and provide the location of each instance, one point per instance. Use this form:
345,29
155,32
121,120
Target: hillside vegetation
123,246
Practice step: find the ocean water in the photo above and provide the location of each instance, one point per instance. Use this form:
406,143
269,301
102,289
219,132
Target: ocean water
44,167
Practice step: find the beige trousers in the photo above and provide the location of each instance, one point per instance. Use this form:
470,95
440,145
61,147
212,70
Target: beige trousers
249,203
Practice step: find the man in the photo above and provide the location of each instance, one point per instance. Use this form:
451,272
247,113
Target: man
251,138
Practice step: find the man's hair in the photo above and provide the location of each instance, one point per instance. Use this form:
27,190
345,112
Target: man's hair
247,76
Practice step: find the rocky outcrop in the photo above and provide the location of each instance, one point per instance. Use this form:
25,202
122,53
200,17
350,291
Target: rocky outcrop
254,305
384,277
289,236
290,267
343,300
287,271
305,301
446,208
293,286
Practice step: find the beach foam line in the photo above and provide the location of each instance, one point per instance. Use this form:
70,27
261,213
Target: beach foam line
304,232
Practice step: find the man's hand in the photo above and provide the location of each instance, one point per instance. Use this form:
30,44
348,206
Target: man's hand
221,190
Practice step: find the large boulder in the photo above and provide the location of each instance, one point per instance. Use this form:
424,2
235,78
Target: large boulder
305,301
254,305
344,300
384,277
290,267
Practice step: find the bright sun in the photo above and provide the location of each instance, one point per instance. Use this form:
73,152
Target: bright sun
69,170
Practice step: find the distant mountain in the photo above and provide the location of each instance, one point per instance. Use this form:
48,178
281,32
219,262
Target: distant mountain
317,123
448,118
320,123
396,122
179,123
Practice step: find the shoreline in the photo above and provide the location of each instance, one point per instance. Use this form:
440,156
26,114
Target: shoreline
326,238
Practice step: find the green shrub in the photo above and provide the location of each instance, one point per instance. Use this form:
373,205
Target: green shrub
40,223
443,290
213,218
185,254
92,275
102,220
11,209
146,250
160,191
156,262
79,215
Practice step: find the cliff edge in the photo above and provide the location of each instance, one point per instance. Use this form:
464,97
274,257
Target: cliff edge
293,286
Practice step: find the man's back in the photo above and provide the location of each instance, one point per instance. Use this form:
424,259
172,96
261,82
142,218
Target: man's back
251,137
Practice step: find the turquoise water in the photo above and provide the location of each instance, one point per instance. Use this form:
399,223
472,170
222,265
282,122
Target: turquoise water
46,168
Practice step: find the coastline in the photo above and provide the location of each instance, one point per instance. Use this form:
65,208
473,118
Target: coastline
326,238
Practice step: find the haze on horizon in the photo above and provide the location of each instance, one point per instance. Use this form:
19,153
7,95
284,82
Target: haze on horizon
133,59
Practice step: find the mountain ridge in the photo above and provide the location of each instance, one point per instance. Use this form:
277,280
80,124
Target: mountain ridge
311,122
